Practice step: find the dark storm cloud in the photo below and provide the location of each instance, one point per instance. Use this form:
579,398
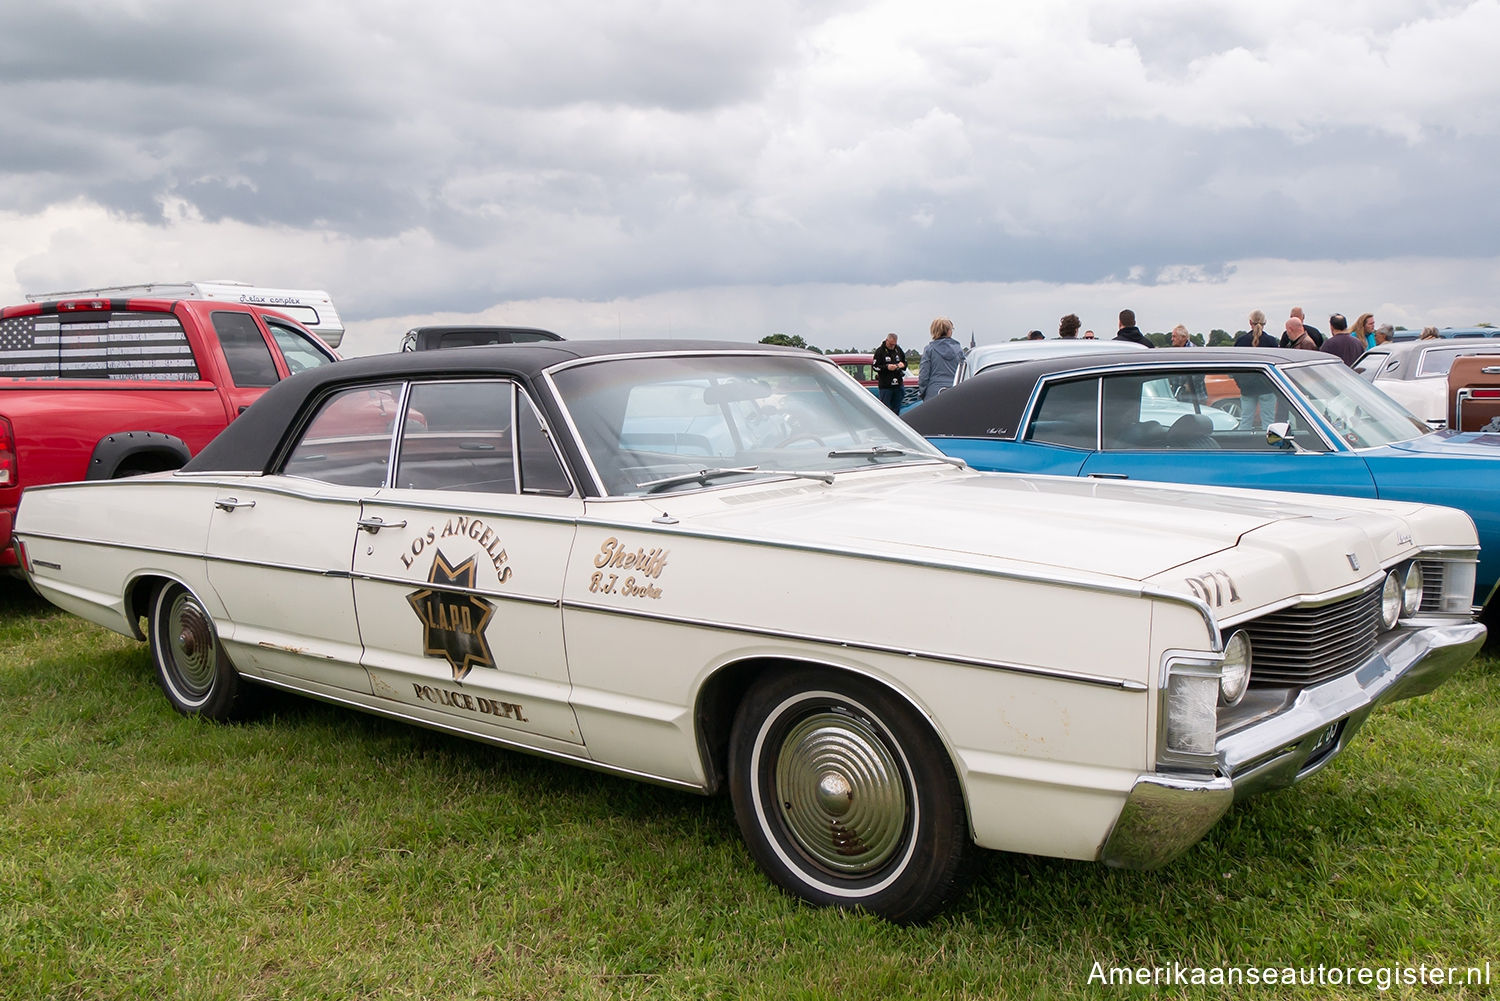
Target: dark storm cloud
588,150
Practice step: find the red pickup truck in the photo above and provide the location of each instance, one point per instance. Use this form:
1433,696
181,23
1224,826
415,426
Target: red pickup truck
99,388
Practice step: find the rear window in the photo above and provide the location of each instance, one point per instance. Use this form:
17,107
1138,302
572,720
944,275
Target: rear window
115,345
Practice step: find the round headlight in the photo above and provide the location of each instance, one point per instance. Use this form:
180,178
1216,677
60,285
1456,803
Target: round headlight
1390,601
1411,589
1235,676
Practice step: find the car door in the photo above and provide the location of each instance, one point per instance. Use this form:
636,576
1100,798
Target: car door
458,568
1156,424
280,546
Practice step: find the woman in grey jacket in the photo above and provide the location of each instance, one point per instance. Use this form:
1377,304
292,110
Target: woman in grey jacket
940,359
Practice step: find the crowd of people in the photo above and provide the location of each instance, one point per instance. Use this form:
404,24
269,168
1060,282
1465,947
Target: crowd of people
943,354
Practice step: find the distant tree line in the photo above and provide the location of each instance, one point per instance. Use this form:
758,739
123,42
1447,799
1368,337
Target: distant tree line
796,341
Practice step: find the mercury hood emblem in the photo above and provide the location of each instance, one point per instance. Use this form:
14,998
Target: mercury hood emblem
1353,560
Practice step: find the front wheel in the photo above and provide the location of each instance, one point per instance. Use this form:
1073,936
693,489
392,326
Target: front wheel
191,665
846,797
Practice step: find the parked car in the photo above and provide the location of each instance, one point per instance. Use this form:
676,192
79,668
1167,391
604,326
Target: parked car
862,368
98,388
427,338
641,556
987,356
1460,332
1415,373
1337,433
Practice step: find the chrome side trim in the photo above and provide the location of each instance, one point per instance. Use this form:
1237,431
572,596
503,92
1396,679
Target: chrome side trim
123,547
745,630
530,599
373,706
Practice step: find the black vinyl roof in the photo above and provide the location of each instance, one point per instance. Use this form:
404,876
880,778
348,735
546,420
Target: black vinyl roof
250,442
990,404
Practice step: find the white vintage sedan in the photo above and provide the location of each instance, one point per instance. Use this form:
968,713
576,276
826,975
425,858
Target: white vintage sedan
692,564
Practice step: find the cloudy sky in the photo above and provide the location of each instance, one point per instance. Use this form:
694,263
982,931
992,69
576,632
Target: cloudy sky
831,169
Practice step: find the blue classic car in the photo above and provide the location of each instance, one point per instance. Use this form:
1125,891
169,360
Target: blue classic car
1302,421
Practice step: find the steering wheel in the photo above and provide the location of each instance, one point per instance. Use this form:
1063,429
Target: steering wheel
804,436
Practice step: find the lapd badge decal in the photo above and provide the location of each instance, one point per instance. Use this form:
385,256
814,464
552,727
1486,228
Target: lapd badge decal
452,623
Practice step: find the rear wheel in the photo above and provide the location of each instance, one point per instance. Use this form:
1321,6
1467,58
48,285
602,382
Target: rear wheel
846,797
191,665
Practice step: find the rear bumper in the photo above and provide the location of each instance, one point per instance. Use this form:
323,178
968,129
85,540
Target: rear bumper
1165,814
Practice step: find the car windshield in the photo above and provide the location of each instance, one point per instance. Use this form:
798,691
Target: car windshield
675,423
1373,363
1361,414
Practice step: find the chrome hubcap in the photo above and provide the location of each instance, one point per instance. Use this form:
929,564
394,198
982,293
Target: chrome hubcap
841,792
192,653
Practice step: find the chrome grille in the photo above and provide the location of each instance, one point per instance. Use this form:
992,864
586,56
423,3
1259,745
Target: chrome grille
1432,584
1305,645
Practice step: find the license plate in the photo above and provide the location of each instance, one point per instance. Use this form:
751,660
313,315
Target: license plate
1326,738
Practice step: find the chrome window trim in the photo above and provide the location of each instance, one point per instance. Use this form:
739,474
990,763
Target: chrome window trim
398,431
517,393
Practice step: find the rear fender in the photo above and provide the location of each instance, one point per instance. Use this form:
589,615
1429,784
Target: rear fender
136,451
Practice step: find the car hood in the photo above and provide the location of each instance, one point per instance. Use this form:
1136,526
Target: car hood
1446,444
1129,531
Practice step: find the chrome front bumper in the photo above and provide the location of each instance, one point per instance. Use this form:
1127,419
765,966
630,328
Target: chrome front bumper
1165,814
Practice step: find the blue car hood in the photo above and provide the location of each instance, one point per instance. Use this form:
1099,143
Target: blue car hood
1445,444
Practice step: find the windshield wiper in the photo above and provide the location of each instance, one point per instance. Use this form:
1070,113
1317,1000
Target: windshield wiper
879,451
701,476
799,474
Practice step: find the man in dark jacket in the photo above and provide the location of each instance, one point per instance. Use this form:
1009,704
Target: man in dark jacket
1342,343
890,372
1313,332
1129,331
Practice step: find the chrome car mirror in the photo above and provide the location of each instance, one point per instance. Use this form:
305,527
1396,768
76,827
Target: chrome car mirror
1279,435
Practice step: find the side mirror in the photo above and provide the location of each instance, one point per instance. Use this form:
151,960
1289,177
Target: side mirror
1279,435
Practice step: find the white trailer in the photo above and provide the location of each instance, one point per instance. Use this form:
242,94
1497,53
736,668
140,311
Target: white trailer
310,307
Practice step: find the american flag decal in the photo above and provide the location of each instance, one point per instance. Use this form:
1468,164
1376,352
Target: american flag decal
122,345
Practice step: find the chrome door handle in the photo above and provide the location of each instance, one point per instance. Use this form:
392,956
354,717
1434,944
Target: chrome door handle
230,503
1109,476
373,525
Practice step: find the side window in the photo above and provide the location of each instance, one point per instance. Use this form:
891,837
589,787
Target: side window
1198,411
1137,411
296,347
1067,415
348,441
458,436
1436,363
250,361
1372,363
541,472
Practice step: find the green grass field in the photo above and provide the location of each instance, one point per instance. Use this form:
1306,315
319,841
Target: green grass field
319,853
